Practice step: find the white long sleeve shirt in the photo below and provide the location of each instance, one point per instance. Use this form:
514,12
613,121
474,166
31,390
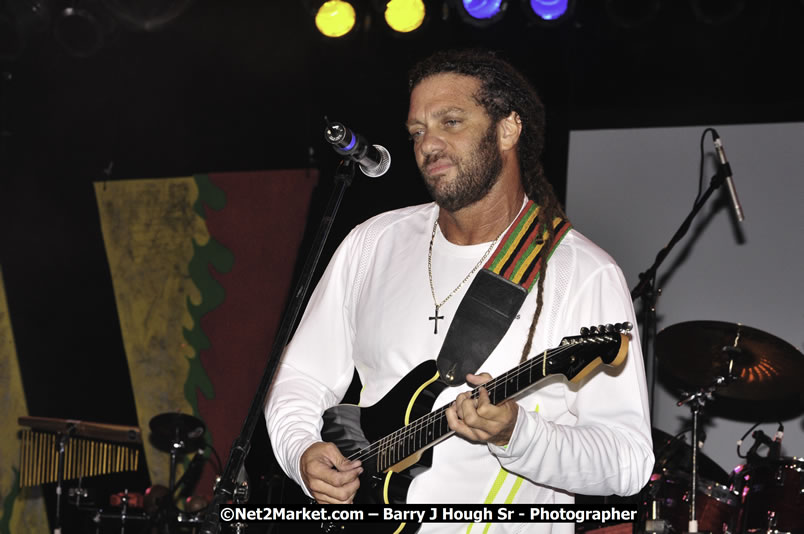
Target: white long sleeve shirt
370,311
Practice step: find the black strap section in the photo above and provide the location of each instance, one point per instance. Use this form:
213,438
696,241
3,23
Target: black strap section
483,317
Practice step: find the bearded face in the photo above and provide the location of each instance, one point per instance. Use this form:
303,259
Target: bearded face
477,171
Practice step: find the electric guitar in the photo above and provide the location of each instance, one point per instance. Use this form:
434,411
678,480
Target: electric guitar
392,443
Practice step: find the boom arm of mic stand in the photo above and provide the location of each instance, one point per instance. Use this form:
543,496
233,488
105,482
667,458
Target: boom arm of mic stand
226,487
646,290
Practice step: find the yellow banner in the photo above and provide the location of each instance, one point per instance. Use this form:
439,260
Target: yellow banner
20,510
150,230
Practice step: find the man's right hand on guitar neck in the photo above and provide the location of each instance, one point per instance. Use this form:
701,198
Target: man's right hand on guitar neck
330,477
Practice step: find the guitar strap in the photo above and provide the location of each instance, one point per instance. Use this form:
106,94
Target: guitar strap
495,295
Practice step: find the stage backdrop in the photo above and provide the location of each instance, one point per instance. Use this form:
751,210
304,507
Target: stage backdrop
201,268
21,510
629,190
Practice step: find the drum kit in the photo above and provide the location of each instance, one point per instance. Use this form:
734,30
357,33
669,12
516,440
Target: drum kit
59,450
726,363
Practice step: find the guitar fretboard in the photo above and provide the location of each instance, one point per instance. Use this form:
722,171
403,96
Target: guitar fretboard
429,429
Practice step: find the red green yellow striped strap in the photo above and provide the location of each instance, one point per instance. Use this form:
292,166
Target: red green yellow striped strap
520,253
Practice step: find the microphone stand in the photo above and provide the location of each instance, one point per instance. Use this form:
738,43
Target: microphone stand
646,290
646,287
232,485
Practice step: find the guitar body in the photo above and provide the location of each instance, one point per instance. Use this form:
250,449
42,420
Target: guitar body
393,438
352,428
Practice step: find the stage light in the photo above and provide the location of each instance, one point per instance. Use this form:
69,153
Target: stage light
547,10
481,13
404,15
335,18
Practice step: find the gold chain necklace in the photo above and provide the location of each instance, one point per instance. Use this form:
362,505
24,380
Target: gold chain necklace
438,305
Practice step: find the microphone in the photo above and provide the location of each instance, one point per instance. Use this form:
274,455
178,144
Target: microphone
761,438
725,168
776,450
777,437
374,160
701,438
191,475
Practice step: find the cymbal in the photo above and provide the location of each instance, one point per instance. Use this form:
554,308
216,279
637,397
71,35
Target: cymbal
177,432
674,456
83,429
762,366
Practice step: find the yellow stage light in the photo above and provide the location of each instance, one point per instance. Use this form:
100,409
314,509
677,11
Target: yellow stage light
404,15
335,18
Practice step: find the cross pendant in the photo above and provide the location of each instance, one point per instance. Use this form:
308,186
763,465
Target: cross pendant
435,319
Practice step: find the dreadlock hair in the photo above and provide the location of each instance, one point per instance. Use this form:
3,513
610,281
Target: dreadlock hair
503,90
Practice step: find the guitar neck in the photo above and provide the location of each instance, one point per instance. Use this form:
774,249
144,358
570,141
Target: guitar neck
519,378
574,358
429,429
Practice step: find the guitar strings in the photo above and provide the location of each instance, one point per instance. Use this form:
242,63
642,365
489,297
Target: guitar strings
397,438
385,445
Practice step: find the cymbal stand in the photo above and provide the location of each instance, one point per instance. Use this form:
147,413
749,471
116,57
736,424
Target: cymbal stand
172,479
123,512
177,445
62,444
167,510
696,402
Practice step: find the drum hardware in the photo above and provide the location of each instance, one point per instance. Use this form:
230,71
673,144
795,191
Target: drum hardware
124,499
176,433
125,517
655,523
771,488
673,455
56,450
125,507
717,505
718,360
666,498
240,494
53,451
78,495
696,402
754,365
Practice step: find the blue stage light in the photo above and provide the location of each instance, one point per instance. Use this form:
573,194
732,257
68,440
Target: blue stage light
483,9
549,9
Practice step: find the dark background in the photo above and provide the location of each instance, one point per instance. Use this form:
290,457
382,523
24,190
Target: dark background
164,88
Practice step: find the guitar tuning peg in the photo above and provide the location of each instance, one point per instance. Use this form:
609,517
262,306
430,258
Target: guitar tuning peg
610,329
584,331
593,330
601,329
627,327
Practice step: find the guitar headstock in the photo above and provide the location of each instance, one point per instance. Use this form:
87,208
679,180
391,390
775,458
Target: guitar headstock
598,334
607,342
616,328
